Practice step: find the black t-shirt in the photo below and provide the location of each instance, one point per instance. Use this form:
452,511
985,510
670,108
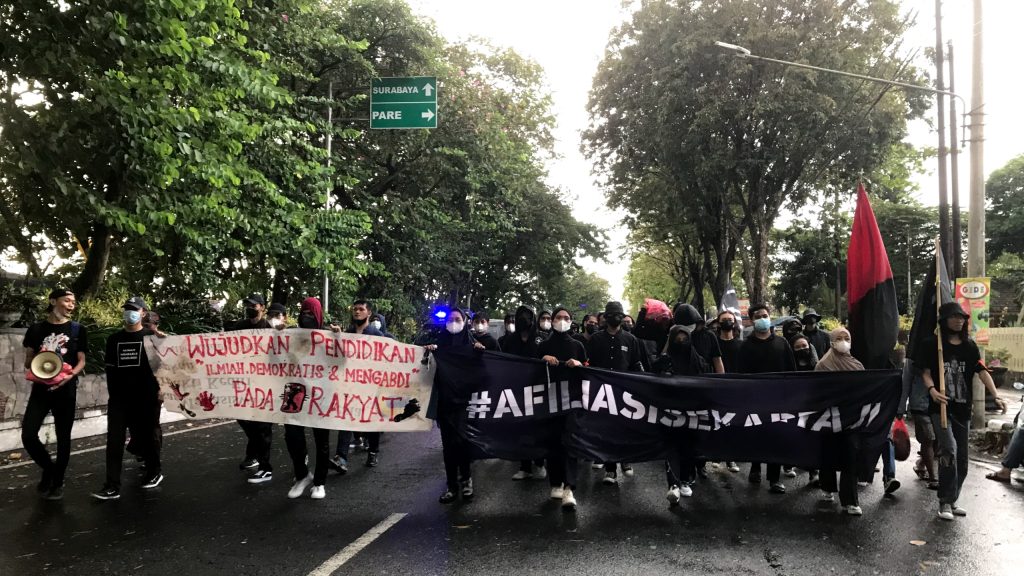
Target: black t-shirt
246,324
961,362
705,343
759,356
620,351
730,354
59,338
128,370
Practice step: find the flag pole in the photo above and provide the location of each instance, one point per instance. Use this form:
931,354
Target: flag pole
938,330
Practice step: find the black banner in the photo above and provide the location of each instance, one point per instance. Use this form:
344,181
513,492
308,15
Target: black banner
516,408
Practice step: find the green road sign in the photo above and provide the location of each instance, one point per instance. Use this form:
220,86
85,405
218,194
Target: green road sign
403,102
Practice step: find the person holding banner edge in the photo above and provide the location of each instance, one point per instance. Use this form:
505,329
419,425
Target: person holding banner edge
259,434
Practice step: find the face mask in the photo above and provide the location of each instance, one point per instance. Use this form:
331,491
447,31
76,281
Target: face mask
841,346
523,324
763,324
510,328
132,317
454,327
727,326
308,321
275,322
614,321
804,354
627,327
545,325
480,328
810,327
590,328
562,325
252,313
375,324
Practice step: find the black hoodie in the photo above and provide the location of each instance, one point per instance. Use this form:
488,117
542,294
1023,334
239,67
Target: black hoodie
524,341
562,345
681,359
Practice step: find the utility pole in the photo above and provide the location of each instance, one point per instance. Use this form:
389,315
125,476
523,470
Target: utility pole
954,178
330,189
976,206
940,105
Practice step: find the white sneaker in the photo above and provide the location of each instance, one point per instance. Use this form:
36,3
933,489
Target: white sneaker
610,478
540,473
597,466
673,495
628,471
828,497
854,510
557,492
958,511
733,467
318,493
300,486
945,511
568,500
685,491
789,472
863,484
521,475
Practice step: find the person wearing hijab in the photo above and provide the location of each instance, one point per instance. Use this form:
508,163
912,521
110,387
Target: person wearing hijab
543,326
790,328
562,352
680,358
457,468
311,317
839,359
803,352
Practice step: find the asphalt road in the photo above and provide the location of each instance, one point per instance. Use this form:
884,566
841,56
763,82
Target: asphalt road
204,519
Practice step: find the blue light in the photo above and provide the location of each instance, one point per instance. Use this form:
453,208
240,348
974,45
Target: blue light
441,313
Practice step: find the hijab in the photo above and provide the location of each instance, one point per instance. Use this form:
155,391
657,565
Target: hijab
311,308
834,361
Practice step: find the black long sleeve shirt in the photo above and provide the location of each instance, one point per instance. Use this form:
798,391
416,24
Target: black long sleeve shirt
620,351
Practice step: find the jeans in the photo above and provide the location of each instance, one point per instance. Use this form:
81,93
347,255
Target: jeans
60,402
345,438
889,459
951,456
1015,451
260,435
136,415
295,440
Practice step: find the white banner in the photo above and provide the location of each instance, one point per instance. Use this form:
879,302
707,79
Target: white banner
313,378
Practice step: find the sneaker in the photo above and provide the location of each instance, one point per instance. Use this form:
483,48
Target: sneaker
568,500
863,484
828,496
447,498
56,492
627,470
685,491
732,466
610,478
702,471
853,510
540,473
945,511
521,475
300,486
597,466
44,484
338,464
248,464
318,492
777,488
153,481
788,472
467,488
371,459
557,492
107,493
813,480
958,511
891,485
673,495
260,477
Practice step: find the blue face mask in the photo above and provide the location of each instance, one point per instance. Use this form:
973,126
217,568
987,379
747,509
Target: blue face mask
132,317
762,324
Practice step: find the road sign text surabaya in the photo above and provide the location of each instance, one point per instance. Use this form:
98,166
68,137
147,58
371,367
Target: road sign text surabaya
405,89
395,90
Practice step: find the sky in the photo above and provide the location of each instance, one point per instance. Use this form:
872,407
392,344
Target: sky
568,39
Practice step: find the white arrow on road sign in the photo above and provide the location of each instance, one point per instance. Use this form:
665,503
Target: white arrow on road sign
428,89
429,114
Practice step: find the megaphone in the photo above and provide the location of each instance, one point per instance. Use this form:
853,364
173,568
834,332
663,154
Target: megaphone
46,365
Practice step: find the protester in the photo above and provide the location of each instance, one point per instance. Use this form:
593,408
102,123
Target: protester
150,321
510,328
524,343
481,333
923,430
804,354
360,314
628,323
839,359
1014,457
704,341
729,331
543,326
562,352
259,434
380,324
457,463
57,395
615,349
133,402
818,339
765,352
680,358
589,328
961,362
790,328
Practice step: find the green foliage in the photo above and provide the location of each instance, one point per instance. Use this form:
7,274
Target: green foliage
581,293
651,276
1004,217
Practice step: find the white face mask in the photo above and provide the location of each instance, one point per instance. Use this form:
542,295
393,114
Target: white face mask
545,325
454,327
841,346
510,328
480,328
275,322
562,325
375,324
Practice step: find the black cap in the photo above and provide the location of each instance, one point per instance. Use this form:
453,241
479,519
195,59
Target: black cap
614,308
255,299
60,293
135,303
277,309
950,309
811,313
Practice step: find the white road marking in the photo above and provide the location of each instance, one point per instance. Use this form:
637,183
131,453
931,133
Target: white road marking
346,553
29,460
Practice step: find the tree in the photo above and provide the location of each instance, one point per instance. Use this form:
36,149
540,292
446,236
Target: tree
582,293
650,276
1004,217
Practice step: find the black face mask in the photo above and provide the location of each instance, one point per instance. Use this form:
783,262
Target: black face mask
613,321
727,326
681,348
252,313
590,328
810,327
307,321
523,325
803,356
627,327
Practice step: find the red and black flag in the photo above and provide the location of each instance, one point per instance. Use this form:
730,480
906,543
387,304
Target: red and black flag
871,291
936,285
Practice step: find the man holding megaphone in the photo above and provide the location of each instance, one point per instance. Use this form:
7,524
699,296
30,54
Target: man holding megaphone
54,357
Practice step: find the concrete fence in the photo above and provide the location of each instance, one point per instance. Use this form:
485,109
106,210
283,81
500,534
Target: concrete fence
1012,340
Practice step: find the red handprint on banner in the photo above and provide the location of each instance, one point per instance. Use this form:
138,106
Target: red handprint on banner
207,401
178,395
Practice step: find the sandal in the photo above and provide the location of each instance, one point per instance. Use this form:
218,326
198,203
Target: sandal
996,477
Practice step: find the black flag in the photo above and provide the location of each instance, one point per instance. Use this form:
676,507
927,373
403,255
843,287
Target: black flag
926,312
730,302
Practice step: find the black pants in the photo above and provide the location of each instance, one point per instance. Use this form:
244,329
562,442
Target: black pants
61,403
456,457
260,435
562,468
136,415
295,439
680,470
345,438
849,465
774,471
527,465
